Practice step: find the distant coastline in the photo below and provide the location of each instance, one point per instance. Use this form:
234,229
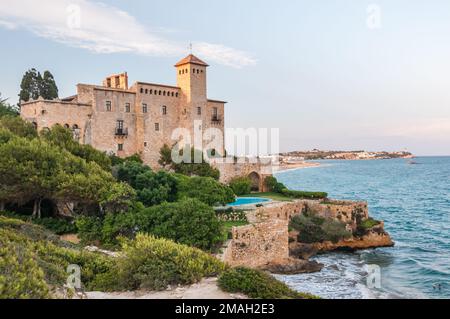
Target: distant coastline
300,156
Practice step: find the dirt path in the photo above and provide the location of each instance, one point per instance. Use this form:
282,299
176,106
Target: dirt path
206,289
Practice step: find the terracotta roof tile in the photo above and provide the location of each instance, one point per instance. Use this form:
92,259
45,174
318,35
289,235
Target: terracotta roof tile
191,59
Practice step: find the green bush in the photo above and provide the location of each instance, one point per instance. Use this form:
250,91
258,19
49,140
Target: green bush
152,263
57,225
188,221
365,225
231,214
51,255
302,194
151,188
205,189
20,275
257,284
241,185
89,229
315,229
273,185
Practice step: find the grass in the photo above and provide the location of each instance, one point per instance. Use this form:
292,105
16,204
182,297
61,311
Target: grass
230,224
271,195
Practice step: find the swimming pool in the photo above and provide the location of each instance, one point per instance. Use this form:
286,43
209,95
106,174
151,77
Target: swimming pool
248,201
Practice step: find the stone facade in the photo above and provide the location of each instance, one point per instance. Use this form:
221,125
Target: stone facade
266,240
123,120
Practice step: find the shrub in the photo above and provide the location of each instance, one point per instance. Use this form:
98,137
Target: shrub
314,229
89,229
152,188
151,263
273,185
205,189
241,185
51,255
20,275
231,214
188,221
302,194
57,225
365,225
257,284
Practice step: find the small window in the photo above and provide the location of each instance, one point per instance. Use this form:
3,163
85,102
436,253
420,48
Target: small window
127,107
176,94
151,91
142,90
75,127
145,144
120,124
215,111
173,94
146,91
66,125
120,147
187,71
193,70
199,110
164,110
160,92
198,71
108,106
144,108
164,93
156,126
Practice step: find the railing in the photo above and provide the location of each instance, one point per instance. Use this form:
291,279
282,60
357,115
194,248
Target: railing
121,131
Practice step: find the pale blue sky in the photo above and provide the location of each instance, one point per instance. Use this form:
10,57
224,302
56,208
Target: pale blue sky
312,68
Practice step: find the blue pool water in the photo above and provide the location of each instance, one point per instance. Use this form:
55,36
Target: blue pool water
248,201
414,202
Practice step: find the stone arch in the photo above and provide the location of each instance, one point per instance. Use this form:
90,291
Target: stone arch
256,181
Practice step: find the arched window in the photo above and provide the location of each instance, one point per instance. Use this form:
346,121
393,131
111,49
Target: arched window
193,70
151,91
35,125
146,91
164,110
164,93
159,92
66,125
75,127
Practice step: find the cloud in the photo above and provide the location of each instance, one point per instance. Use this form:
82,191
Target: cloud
102,28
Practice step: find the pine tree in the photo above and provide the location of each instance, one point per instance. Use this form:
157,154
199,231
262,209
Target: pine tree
34,85
49,90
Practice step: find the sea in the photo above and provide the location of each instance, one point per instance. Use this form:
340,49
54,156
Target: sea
413,199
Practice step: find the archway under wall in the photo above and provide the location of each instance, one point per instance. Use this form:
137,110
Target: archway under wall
256,181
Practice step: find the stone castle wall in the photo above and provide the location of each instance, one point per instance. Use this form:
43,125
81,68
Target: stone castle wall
258,244
266,240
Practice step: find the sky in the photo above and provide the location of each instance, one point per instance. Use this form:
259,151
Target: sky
330,74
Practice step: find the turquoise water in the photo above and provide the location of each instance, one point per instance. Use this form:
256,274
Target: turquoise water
414,202
248,201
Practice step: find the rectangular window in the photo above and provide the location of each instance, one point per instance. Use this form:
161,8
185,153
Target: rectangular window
120,147
215,111
144,108
156,126
120,124
199,110
127,107
164,110
108,106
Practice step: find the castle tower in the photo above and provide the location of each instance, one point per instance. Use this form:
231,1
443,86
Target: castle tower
191,78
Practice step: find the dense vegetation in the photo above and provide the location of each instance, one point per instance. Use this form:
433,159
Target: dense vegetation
34,85
187,166
241,185
274,186
152,263
313,228
257,284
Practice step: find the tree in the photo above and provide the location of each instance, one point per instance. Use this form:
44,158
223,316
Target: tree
63,138
48,89
205,189
18,127
6,109
241,185
190,169
30,85
34,85
151,188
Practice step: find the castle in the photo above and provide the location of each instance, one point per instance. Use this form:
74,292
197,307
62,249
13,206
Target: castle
139,119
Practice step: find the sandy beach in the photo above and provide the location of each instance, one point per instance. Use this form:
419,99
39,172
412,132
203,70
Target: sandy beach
291,165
